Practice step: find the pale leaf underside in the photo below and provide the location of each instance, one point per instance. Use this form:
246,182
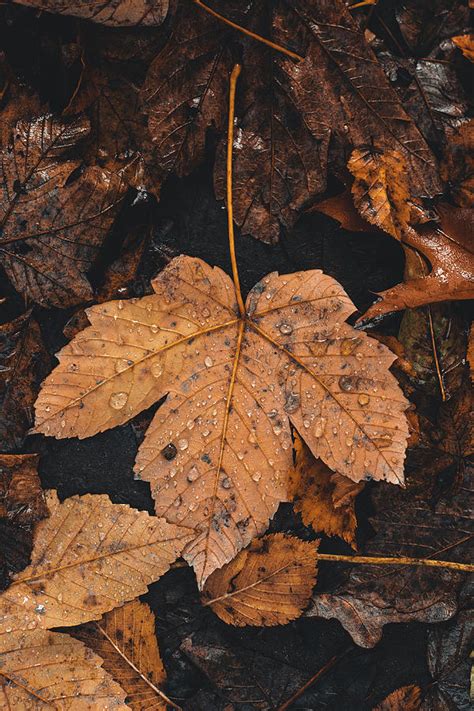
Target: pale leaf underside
218,452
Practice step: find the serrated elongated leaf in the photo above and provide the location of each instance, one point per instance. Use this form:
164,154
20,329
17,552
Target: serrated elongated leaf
41,670
116,13
126,642
218,452
267,584
88,557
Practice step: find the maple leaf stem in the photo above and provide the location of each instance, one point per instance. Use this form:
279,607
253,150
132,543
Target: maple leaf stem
249,33
374,560
230,209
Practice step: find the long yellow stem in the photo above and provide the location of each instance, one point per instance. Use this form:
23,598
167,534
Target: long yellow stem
249,33
369,560
230,210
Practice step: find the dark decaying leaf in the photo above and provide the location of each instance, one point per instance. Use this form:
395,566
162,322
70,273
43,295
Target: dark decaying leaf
54,217
287,110
457,167
115,13
416,522
22,504
24,362
424,23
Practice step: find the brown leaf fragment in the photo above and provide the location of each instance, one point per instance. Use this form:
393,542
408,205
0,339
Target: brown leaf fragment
88,557
470,351
457,167
407,698
115,13
53,218
41,669
341,208
126,642
466,44
218,451
24,361
22,504
269,583
414,522
324,498
448,248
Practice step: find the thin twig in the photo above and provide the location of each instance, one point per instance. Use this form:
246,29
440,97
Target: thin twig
375,560
249,33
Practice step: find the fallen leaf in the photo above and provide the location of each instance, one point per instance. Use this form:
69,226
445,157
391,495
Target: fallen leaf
457,167
22,504
269,583
466,44
24,362
88,557
116,13
407,698
218,451
424,23
324,498
42,669
470,351
414,523
381,189
341,208
448,248
126,642
53,218
287,110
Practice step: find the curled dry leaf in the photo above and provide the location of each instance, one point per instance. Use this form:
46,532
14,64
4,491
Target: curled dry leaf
22,504
448,248
324,498
407,698
116,13
42,669
53,219
269,583
24,362
218,452
126,642
89,556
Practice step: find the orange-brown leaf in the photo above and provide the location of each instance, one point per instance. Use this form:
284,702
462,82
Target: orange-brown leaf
466,44
125,640
324,498
218,451
116,13
407,698
48,670
269,583
88,557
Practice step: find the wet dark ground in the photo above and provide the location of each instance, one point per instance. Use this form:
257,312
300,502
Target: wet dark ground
275,662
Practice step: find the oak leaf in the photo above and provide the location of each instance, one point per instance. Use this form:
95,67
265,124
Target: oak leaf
218,451
88,557
324,498
115,13
407,698
22,504
269,583
53,219
41,669
125,640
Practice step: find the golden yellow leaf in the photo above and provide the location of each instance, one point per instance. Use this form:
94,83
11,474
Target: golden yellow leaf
125,639
466,44
267,584
324,498
218,452
88,557
381,189
48,670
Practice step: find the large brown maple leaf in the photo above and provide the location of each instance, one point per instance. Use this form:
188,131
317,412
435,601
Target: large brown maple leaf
219,451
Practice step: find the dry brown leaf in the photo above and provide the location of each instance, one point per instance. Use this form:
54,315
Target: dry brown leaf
88,557
448,248
457,167
125,639
466,44
341,208
218,451
116,13
47,670
267,584
22,504
324,498
381,189
407,698
53,220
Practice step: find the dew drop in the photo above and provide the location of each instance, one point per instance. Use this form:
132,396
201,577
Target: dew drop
256,476
319,429
154,328
363,399
285,328
118,400
208,362
157,369
183,444
122,364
